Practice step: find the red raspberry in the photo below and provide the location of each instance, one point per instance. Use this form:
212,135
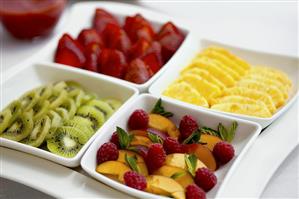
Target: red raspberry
135,180
138,120
205,179
194,192
114,139
223,152
172,145
155,157
187,125
106,152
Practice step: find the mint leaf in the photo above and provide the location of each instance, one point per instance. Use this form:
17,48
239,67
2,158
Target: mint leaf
124,138
193,138
209,131
159,109
132,162
222,131
232,131
191,162
155,138
177,175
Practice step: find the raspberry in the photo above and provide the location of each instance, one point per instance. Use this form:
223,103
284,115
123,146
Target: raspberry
114,139
135,180
223,152
194,192
205,179
187,125
138,120
155,157
172,145
106,152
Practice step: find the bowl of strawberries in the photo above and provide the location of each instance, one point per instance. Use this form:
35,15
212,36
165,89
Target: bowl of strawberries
133,45
155,148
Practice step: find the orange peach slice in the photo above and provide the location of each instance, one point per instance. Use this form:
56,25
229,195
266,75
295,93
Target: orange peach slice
114,168
211,140
141,140
163,124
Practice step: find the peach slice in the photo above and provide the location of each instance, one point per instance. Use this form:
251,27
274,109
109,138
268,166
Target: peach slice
184,179
178,160
211,140
114,168
122,154
139,133
203,154
164,186
149,130
141,140
163,124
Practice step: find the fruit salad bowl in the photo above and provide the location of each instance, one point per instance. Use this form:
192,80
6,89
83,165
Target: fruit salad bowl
31,76
285,64
81,17
245,135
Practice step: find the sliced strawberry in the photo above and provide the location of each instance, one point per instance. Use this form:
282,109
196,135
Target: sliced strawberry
102,18
115,37
112,62
138,27
69,52
92,53
88,36
156,48
170,39
138,72
138,49
152,61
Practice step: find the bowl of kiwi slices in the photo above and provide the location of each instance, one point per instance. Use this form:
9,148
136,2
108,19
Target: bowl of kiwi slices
55,113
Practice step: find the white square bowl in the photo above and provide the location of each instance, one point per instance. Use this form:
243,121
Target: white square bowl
287,64
34,75
246,133
81,17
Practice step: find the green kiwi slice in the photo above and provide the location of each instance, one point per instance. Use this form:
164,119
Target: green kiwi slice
78,96
71,85
20,129
81,123
70,105
39,132
40,109
93,114
5,117
64,114
67,141
104,107
57,98
115,104
45,92
56,121
15,108
59,86
29,99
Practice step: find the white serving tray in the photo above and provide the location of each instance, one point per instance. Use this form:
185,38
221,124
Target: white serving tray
81,17
245,135
287,64
31,76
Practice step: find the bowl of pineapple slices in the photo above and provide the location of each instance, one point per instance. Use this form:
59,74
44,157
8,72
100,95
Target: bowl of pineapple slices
220,80
56,120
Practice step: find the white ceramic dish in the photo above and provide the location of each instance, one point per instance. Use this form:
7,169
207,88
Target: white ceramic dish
246,133
81,17
32,76
289,65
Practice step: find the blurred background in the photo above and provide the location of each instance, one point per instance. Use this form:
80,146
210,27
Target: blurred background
263,26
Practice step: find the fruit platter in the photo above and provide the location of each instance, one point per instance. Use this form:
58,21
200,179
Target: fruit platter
127,102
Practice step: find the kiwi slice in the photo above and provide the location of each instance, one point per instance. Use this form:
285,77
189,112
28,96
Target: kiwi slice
71,85
45,92
56,121
78,96
29,99
15,108
39,132
81,123
70,105
57,98
59,86
40,109
67,141
5,117
93,114
64,114
102,106
115,104
20,129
